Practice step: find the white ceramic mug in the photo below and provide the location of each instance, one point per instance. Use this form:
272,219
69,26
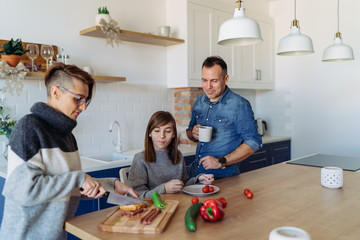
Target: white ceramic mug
205,133
289,233
164,31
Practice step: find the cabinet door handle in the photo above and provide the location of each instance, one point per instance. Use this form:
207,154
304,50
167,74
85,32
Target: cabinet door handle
260,152
258,160
259,74
281,148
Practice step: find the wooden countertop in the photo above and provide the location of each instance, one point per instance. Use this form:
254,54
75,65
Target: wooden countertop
284,195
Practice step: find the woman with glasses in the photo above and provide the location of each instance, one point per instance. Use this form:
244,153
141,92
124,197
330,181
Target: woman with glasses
44,169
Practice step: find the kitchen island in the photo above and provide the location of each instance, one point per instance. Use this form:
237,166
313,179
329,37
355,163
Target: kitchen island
284,195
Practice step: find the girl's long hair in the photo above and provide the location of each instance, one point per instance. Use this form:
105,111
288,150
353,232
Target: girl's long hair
159,119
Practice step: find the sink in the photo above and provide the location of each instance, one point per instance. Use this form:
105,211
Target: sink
110,157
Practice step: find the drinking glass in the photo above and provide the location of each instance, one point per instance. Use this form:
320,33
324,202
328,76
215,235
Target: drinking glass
33,53
47,52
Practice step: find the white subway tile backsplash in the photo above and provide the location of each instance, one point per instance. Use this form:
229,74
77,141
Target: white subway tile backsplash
130,104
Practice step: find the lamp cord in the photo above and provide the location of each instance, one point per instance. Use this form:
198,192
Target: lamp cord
338,18
295,9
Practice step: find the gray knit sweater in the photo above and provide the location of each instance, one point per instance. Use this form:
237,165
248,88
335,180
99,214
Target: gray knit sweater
43,178
149,177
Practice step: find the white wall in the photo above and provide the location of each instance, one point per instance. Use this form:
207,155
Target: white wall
322,99
144,66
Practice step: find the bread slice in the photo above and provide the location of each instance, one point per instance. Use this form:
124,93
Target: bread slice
132,207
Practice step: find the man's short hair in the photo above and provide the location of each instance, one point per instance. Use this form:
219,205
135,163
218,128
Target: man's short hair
215,60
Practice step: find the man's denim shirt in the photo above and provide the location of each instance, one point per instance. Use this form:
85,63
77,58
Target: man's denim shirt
233,124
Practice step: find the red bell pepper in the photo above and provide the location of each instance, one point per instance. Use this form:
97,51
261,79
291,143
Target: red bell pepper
212,210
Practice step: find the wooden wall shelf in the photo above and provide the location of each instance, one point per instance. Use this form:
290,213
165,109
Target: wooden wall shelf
97,78
131,36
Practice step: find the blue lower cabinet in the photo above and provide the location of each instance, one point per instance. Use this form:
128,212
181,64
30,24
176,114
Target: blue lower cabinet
87,206
269,154
189,159
257,160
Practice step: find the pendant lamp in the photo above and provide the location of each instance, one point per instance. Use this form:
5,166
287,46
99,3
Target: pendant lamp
239,30
295,43
338,51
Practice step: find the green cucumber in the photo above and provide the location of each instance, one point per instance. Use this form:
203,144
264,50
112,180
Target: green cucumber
157,200
191,215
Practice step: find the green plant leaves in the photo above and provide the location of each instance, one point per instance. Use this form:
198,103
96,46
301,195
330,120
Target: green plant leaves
13,47
103,10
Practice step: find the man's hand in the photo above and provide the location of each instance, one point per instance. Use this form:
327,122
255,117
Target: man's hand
193,134
124,189
173,186
92,188
210,162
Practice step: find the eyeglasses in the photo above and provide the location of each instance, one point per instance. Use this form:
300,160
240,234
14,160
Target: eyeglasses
79,100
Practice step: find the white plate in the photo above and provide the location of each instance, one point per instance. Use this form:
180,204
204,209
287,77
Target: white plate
196,190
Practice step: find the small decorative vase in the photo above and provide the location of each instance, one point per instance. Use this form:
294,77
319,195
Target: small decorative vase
98,17
11,60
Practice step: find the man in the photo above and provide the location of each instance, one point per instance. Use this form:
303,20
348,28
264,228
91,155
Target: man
44,169
234,136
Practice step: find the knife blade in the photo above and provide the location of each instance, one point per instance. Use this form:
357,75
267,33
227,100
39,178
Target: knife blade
118,199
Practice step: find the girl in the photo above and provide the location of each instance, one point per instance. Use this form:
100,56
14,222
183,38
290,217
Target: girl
161,166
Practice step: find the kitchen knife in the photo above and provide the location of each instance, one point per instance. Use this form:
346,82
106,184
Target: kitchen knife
118,199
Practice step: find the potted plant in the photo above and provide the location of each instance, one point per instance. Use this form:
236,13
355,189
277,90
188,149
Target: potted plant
6,126
103,13
12,52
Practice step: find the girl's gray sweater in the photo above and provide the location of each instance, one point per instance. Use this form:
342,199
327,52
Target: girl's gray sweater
149,177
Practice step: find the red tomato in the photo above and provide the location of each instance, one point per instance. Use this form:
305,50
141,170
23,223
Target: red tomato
194,200
211,188
246,191
249,195
222,201
205,189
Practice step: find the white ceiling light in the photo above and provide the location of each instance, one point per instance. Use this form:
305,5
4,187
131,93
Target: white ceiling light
338,51
239,30
295,43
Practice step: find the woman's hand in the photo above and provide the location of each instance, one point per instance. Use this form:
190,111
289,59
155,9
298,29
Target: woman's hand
124,189
206,178
92,188
173,186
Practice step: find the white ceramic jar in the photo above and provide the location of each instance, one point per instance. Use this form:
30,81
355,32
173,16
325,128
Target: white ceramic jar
98,17
332,177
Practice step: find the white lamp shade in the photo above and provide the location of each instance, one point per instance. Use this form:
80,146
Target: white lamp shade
295,44
239,30
338,52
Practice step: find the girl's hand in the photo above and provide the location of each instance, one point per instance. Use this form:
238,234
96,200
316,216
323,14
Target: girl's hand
206,178
92,188
173,186
124,189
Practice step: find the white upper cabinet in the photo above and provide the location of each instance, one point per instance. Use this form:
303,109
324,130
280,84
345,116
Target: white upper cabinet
200,40
249,67
203,29
256,62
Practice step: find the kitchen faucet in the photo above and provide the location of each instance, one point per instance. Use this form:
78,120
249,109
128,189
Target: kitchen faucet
118,143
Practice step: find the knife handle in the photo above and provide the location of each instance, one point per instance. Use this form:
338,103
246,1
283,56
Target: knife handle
105,194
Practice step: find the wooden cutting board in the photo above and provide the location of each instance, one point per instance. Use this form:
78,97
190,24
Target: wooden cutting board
114,222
